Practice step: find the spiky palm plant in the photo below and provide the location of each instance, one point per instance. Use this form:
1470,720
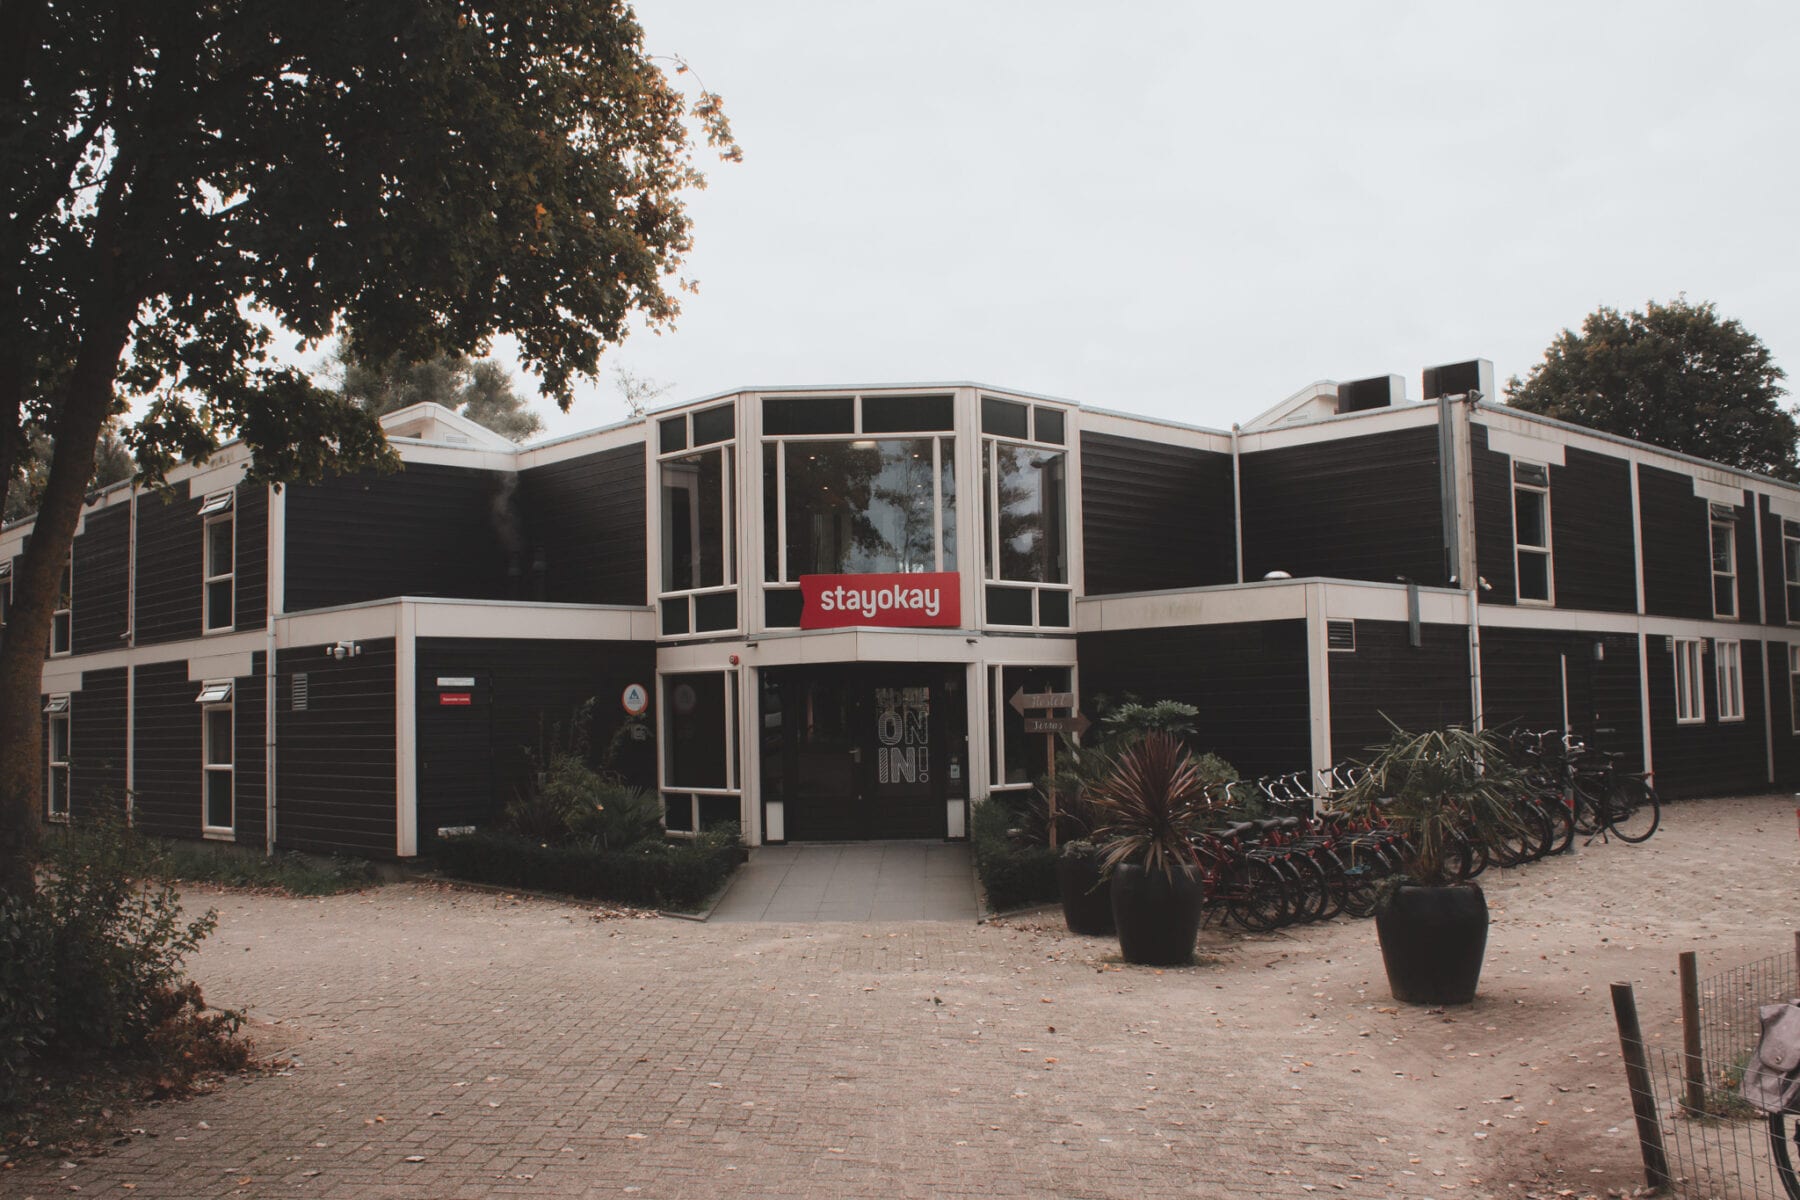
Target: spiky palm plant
1440,789
1150,804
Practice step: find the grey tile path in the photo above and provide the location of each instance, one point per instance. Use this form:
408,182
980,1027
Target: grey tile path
864,881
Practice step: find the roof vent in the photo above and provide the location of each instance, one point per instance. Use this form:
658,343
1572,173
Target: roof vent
1459,379
1360,395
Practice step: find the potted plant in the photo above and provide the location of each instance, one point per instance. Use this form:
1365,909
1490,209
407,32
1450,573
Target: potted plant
1448,793
1150,804
1081,881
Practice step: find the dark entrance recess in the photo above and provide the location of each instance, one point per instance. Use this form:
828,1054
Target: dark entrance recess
866,751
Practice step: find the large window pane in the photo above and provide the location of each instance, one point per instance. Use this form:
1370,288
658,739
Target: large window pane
694,744
218,736
695,522
1528,517
1030,497
218,548
861,507
218,799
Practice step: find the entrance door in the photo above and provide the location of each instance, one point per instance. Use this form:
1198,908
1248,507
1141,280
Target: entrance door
861,752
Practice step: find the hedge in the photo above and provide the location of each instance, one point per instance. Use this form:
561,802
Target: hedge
1012,875
656,874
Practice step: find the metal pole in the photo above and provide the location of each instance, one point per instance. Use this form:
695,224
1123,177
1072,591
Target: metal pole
1693,1072
1637,1078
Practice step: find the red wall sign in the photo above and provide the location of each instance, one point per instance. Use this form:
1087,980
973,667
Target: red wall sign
455,698
835,601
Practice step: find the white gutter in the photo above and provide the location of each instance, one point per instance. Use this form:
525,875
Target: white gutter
276,573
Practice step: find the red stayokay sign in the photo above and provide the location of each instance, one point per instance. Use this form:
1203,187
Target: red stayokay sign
834,601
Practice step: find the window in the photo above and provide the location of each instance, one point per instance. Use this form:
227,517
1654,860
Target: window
62,632
220,571
699,745
1690,695
56,773
699,522
1728,666
1794,687
217,759
1531,532
1025,527
1790,564
865,506
1019,757
1724,560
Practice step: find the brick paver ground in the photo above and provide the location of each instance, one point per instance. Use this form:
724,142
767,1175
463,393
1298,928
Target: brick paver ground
454,1044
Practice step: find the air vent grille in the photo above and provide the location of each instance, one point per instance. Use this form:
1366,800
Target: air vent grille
299,692
1340,635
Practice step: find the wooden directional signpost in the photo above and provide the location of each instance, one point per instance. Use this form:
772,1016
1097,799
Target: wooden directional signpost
1024,703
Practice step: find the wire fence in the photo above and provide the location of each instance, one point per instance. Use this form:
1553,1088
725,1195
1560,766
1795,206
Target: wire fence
1689,1110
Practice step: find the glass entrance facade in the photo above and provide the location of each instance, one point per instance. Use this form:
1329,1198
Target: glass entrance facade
863,751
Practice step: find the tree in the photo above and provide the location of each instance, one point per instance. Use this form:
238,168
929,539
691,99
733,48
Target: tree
479,389
183,181
112,464
1674,375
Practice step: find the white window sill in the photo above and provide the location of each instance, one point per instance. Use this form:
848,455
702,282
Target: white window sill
218,835
1690,720
220,629
1737,720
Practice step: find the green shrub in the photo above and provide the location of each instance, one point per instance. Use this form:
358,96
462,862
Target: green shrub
91,965
207,862
655,874
618,815
1012,874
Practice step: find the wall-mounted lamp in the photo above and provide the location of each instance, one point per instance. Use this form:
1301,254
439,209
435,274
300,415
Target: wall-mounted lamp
1599,651
344,650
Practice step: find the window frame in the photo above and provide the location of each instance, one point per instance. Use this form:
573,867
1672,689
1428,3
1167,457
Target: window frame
1790,569
62,617
1690,687
1716,523
992,576
1728,668
999,706
1522,549
59,712
688,599
942,455
208,577
209,768
1793,659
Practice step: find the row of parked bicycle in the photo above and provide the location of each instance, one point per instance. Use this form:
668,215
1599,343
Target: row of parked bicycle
1310,861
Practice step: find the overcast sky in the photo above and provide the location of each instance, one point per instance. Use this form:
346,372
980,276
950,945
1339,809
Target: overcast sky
1193,210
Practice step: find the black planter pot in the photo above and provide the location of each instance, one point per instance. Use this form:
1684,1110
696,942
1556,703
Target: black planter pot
1158,916
1432,942
1086,901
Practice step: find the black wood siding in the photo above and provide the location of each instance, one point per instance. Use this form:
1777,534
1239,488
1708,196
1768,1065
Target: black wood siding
1522,686
1677,547
1590,533
167,767
1774,571
1713,758
170,550
251,602
1355,508
1781,712
98,614
1493,519
1749,569
425,531
1386,678
1154,516
473,759
249,749
1248,680
335,768
97,744
587,528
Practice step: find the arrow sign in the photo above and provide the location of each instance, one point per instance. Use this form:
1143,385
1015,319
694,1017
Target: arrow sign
1022,700
1076,724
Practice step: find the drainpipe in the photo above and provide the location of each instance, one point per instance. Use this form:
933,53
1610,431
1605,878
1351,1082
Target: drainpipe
275,573
1237,505
1476,716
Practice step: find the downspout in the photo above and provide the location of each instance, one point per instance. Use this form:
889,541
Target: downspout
1460,554
1762,619
130,638
276,574
1237,505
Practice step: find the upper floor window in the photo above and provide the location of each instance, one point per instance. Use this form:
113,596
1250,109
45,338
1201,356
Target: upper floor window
62,632
5,597
864,506
220,570
1793,653
1728,666
1690,692
1531,531
698,520
1724,560
56,766
1025,486
1790,568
